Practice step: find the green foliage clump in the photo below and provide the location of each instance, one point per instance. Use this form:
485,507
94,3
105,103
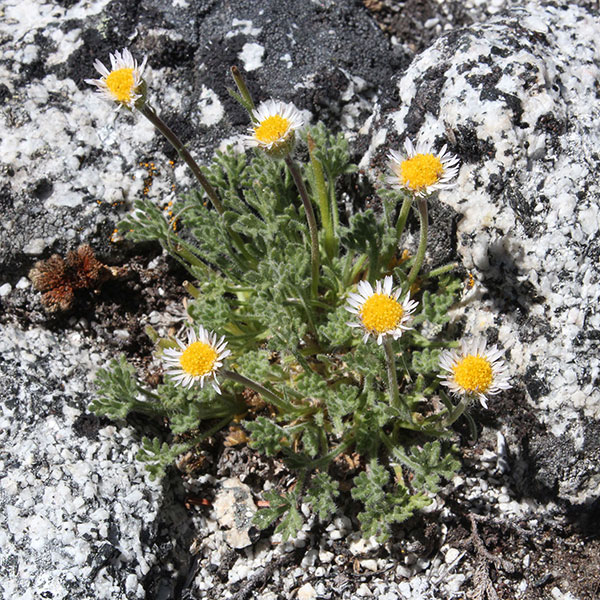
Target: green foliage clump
310,391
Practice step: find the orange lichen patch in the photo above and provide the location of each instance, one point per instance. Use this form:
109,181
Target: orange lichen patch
152,172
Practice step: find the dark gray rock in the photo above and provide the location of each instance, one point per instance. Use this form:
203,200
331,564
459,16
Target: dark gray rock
68,162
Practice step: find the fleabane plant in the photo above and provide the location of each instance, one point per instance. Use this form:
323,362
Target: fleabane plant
305,321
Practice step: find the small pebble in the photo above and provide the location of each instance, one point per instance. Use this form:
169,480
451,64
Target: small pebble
451,555
343,524
422,564
403,571
363,590
310,558
503,498
325,556
5,289
306,592
369,564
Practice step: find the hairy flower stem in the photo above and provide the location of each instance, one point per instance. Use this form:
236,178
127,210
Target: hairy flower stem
401,222
312,222
151,115
245,96
390,360
412,276
441,270
456,413
260,389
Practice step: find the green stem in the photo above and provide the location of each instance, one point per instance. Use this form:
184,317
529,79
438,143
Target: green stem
330,243
335,211
424,342
414,272
243,90
454,412
395,400
312,222
358,266
151,115
441,270
402,216
390,361
259,389
325,460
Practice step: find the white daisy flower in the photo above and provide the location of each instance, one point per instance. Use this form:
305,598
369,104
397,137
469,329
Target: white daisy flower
474,371
274,129
421,171
200,358
123,84
379,311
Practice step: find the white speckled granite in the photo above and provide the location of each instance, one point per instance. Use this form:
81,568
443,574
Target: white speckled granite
516,99
74,503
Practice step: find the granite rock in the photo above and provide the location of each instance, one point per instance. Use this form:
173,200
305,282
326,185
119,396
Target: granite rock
71,166
516,99
76,507
234,509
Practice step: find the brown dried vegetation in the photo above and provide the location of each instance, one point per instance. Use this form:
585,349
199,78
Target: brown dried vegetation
59,279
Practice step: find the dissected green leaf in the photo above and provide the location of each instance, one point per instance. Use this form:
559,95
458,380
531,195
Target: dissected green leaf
430,464
383,508
157,456
117,390
283,507
322,494
266,436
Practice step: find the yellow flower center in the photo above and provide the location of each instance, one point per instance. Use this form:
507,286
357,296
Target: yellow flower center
198,359
120,83
272,129
380,313
474,374
421,171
